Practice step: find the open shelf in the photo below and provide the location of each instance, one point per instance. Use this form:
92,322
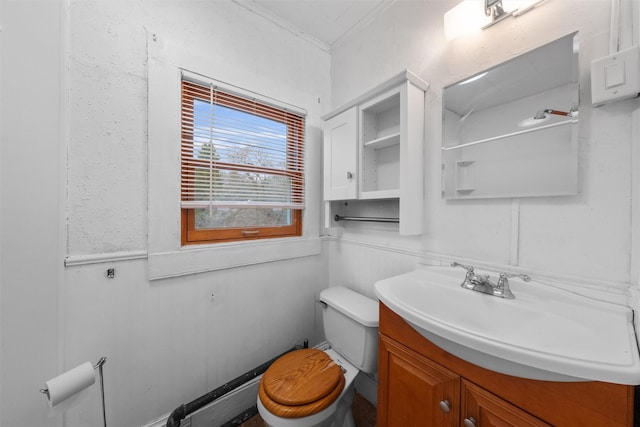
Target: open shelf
380,156
380,194
384,142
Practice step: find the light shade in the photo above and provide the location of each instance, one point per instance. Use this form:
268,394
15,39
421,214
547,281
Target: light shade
469,16
465,18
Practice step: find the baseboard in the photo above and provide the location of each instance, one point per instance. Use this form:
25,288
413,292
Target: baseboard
221,410
226,407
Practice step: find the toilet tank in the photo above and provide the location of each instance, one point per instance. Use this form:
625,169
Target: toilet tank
350,323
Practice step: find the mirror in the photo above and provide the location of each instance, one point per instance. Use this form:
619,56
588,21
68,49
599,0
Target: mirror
512,130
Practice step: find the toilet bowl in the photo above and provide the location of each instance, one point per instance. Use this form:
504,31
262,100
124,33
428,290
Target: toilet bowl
338,407
314,388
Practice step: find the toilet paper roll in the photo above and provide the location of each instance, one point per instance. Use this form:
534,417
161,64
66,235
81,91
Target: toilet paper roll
69,383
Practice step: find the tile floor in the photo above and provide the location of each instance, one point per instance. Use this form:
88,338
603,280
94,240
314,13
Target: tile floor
364,414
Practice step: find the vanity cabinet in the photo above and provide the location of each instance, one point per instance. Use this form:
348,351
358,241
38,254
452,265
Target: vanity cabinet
422,385
373,149
418,392
482,408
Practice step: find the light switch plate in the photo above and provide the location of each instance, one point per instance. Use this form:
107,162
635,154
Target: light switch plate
615,77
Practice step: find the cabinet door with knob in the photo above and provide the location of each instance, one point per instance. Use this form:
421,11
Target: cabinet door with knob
482,408
416,391
420,384
422,393
341,156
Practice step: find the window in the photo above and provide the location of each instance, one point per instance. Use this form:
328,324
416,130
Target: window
167,254
242,167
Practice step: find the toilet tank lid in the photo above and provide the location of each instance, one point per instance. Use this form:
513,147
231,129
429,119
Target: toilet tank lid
359,307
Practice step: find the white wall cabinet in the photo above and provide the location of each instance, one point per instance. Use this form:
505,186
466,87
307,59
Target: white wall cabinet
340,156
373,148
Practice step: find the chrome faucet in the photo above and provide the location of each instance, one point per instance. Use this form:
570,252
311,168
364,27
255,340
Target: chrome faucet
482,283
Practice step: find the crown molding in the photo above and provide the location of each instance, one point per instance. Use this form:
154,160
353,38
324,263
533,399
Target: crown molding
366,20
282,23
252,6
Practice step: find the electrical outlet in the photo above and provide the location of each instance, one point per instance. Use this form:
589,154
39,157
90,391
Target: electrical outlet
111,273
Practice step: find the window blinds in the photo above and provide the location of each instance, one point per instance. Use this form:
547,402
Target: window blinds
239,153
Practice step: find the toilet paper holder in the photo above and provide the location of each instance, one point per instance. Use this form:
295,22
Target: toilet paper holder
97,366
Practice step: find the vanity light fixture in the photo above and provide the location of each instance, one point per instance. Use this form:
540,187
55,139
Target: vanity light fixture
474,15
495,11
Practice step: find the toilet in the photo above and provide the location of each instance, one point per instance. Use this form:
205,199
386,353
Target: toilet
314,388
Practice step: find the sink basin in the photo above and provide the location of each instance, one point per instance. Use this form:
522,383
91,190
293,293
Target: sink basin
544,333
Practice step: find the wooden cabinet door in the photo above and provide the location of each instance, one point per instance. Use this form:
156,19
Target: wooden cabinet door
483,409
341,156
414,391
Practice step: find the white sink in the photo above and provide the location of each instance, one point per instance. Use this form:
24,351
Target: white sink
544,333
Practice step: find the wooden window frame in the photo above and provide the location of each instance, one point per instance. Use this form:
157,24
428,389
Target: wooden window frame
190,235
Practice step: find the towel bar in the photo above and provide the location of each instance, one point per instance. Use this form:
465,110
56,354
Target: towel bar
365,218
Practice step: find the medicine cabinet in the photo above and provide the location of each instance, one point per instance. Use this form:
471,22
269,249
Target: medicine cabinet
373,149
512,130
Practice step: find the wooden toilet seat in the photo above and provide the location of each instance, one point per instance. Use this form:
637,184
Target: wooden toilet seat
301,383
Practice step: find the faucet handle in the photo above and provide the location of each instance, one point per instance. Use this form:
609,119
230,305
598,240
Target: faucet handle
469,278
502,289
469,268
505,276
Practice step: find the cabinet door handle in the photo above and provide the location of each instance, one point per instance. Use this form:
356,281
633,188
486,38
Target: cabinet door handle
445,405
470,422
349,175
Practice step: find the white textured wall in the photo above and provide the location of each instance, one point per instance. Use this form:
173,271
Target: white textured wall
167,342
108,71
30,201
107,126
586,236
